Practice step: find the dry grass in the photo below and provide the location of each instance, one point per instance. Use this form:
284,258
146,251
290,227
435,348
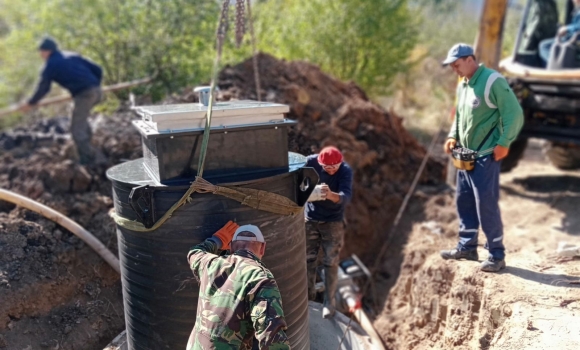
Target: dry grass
424,96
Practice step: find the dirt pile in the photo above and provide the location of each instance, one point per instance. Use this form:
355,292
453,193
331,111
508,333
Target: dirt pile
382,153
434,303
55,291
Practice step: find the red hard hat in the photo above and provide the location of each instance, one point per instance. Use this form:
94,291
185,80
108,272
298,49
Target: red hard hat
330,156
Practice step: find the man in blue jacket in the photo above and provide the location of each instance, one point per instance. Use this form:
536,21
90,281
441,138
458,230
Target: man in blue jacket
82,78
325,221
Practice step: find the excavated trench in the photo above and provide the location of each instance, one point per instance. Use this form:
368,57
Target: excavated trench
532,304
57,294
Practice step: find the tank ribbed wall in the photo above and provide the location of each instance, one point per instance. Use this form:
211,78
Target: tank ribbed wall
160,292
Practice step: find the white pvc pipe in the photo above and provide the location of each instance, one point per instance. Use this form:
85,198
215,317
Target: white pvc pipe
65,98
65,222
364,321
367,325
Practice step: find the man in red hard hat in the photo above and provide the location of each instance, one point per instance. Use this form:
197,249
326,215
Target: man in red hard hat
325,221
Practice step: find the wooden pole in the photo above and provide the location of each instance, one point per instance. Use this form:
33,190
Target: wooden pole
65,98
489,38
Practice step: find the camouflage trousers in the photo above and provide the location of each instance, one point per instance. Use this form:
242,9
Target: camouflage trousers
330,237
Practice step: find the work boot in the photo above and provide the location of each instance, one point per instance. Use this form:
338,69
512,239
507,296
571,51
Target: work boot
492,265
459,254
330,282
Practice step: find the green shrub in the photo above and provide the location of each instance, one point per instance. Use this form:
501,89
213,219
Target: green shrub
367,41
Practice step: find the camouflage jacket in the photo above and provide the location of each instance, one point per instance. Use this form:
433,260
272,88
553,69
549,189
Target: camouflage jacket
238,300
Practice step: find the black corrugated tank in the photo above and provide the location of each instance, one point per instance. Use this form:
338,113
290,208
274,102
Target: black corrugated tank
160,292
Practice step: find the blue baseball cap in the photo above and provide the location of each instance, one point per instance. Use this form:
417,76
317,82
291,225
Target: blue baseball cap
48,44
456,52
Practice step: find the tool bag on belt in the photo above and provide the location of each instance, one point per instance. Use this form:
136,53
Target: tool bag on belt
464,158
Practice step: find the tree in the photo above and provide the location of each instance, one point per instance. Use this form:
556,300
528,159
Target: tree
367,41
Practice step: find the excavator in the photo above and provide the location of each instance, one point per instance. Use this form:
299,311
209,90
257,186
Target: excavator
549,92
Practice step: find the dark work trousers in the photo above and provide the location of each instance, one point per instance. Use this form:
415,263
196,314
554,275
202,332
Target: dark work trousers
477,198
330,237
80,129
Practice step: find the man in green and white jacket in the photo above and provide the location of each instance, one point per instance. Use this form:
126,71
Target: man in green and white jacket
488,119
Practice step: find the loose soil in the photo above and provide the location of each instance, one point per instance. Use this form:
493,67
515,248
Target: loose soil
57,294
382,153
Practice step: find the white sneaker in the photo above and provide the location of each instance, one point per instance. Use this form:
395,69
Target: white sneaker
328,312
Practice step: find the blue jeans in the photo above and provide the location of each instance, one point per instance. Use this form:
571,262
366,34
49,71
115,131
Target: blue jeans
544,49
477,199
545,46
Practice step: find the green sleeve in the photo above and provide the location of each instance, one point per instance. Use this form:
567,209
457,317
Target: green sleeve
202,255
510,111
268,317
453,132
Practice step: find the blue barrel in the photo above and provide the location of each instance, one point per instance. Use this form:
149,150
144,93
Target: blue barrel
159,290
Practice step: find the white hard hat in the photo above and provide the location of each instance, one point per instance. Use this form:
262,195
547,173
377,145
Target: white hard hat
258,236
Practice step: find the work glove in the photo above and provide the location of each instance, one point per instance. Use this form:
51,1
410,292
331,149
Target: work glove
226,233
319,193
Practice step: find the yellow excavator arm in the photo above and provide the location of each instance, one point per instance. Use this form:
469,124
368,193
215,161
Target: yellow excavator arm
489,37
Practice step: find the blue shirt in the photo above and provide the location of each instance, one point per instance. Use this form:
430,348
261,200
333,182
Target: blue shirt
69,70
574,25
340,182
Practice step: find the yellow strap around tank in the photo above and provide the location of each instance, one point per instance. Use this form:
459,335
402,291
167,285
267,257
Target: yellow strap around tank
257,199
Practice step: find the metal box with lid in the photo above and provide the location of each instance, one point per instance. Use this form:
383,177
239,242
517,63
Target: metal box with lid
248,138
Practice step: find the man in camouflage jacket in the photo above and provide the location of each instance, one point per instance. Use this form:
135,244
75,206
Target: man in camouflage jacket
239,299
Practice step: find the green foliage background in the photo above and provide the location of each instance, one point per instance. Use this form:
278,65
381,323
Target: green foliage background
367,41
130,38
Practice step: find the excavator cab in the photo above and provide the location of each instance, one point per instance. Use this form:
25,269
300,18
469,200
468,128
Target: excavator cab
538,43
547,83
